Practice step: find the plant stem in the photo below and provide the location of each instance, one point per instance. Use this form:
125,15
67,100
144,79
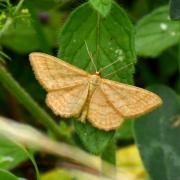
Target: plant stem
179,53
16,90
31,157
6,26
29,154
18,7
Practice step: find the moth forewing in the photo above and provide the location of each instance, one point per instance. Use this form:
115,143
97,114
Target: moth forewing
129,100
53,73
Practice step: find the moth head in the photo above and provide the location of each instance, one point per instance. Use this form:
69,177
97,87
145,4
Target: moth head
97,73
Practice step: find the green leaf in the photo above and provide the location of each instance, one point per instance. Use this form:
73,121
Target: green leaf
156,32
5,175
109,154
10,154
108,39
13,153
175,9
125,131
102,6
94,140
156,136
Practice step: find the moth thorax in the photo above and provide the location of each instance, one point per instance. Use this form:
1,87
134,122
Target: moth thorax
94,81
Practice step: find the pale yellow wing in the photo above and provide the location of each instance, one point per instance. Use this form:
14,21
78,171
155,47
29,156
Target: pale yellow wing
101,113
53,73
129,100
68,102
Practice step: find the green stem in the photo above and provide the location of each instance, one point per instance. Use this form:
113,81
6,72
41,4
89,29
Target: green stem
6,26
179,53
18,7
30,155
15,89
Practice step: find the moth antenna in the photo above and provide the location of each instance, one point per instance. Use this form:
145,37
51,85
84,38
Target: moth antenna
90,55
119,69
103,68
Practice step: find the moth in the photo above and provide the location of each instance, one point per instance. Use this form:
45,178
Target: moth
73,92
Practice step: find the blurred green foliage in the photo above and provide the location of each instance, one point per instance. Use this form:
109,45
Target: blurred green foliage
156,28
138,29
156,135
175,9
7,175
11,154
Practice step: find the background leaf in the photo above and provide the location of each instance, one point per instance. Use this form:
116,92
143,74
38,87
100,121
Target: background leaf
11,155
175,9
109,153
109,39
125,131
5,175
156,32
102,6
156,136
